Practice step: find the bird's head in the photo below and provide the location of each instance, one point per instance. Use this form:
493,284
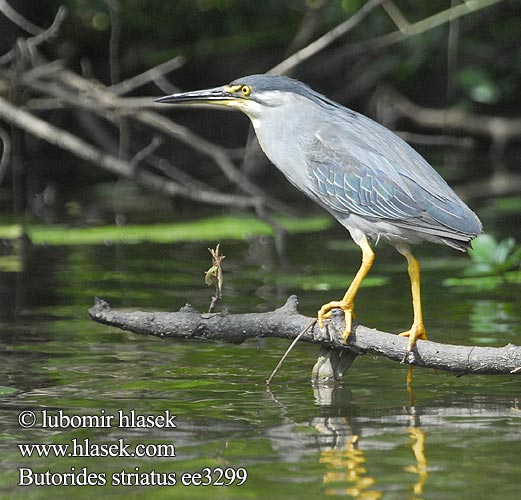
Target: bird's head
251,94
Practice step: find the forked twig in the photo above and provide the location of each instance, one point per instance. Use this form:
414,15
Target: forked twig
214,276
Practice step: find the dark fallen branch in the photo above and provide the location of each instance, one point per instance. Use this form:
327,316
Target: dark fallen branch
287,323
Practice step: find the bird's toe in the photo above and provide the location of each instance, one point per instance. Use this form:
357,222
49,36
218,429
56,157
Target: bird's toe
326,310
416,332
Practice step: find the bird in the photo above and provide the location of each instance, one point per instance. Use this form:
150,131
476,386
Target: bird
369,179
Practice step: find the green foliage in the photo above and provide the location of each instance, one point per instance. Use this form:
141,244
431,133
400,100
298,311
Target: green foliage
507,205
209,229
493,258
479,84
10,231
6,390
494,263
10,263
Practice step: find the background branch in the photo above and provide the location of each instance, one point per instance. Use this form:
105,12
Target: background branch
42,37
16,18
69,142
321,43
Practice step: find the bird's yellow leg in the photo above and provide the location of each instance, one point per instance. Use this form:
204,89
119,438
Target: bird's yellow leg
347,302
417,330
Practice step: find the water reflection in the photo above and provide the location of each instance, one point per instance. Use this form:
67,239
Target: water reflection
348,440
345,464
493,316
418,448
348,468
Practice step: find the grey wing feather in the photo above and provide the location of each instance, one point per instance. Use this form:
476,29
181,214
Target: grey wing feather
355,178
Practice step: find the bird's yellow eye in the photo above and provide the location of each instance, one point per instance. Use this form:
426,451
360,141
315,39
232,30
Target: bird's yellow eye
245,90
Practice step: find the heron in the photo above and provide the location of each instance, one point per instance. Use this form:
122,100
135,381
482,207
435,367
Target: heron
370,180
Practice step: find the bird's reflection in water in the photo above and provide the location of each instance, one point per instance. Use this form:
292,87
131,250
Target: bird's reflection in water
347,466
418,448
348,469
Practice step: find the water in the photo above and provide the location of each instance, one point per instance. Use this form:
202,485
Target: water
370,438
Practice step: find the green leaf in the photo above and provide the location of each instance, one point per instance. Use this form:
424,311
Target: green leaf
491,257
479,84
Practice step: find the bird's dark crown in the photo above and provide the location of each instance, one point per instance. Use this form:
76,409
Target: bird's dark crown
265,83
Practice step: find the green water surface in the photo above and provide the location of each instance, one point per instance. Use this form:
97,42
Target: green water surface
452,438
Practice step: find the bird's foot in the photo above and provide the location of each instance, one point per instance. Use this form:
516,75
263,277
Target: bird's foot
417,331
326,310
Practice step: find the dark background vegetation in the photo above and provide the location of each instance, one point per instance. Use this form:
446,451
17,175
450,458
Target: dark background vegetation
471,64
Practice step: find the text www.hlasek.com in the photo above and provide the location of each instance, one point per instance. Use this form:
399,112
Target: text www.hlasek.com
86,448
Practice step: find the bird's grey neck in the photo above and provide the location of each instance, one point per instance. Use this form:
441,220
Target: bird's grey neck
280,141
283,141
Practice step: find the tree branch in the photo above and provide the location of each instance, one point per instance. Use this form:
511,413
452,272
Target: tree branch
500,129
16,18
81,92
325,40
78,147
454,119
287,323
146,77
41,37
426,24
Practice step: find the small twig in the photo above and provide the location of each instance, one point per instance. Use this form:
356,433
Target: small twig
452,118
193,189
279,233
325,40
452,55
306,31
288,350
180,176
42,37
396,15
16,18
147,151
214,276
115,34
417,28
147,76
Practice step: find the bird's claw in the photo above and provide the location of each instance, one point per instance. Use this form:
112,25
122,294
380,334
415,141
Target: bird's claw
325,313
416,332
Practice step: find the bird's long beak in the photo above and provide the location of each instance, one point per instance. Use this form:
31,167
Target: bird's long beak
217,95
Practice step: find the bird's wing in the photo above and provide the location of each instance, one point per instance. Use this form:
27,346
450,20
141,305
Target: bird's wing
354,178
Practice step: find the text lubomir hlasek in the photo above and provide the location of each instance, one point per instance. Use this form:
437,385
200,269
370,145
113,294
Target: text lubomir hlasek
123,419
